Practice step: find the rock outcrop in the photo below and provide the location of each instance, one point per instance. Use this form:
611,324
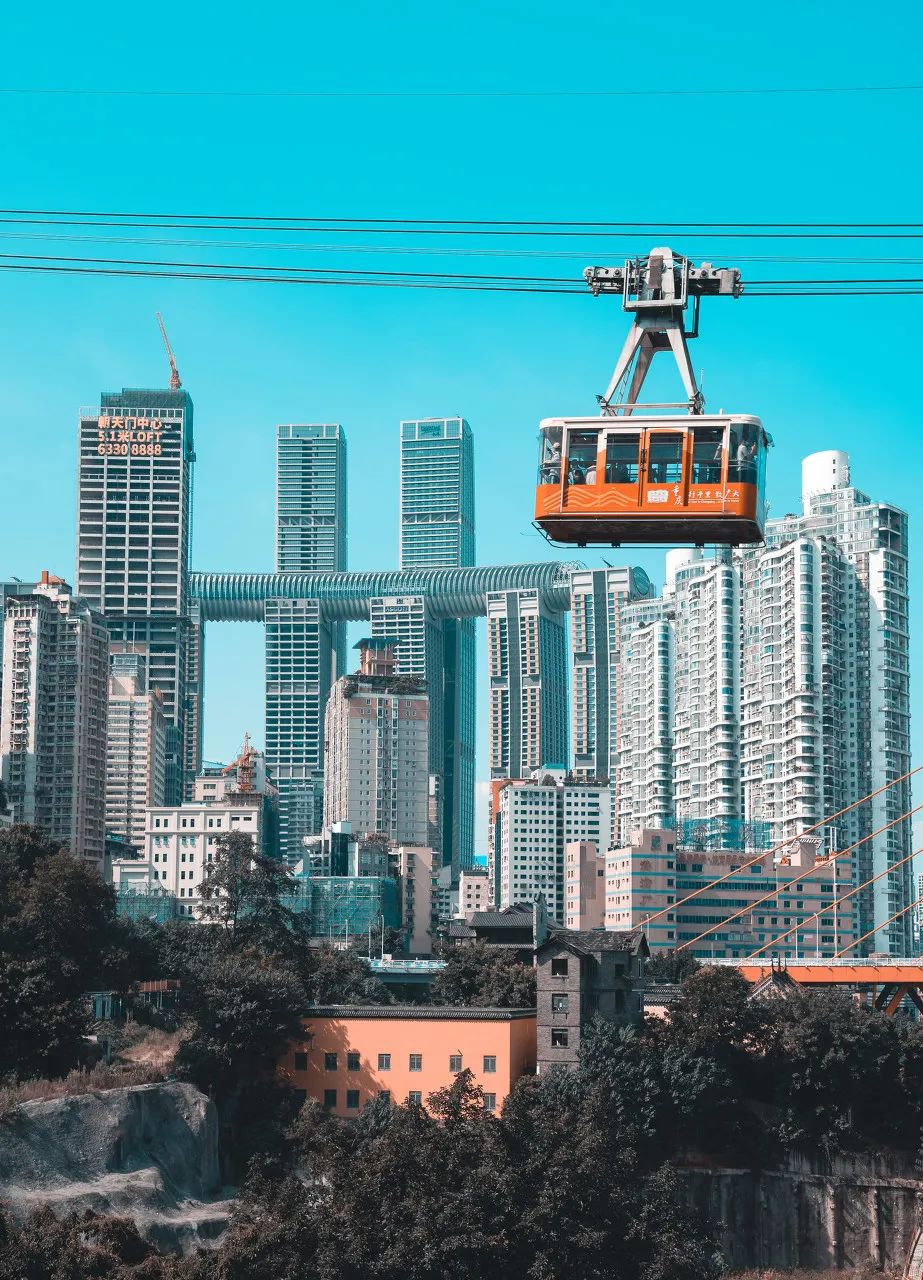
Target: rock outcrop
149,1153
842,1214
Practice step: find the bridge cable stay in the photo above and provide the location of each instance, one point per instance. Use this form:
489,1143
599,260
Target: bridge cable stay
778,847
831,906
881,926
782,888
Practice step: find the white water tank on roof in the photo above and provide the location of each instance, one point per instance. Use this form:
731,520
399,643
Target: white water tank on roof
676,560
821,472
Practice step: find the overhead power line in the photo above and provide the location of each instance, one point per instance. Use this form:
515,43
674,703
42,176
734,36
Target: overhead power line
296,224
748,92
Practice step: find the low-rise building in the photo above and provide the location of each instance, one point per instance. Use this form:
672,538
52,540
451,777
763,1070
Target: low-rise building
581,975
349,1055
415,865
788,894
584,886
473,891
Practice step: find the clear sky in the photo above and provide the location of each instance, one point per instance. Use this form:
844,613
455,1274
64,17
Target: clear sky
821,373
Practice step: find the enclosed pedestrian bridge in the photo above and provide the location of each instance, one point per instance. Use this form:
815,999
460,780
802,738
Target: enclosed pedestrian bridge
346,597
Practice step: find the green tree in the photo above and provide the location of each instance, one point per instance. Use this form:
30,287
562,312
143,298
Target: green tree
245,1008
334,976
58,939
670,966
250,895
483,976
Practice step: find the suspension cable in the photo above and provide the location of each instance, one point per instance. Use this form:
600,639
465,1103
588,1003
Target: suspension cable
781,888
879,927
775,849
831,906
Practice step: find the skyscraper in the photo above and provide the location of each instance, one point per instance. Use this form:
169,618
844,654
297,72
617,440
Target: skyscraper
842,583
645,718
376,759
437,494
133,546
136,745
304,652
53,716
437,532
527,667
597,599
310,498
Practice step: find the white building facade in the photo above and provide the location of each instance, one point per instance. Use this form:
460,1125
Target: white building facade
538,819
53,716
136,745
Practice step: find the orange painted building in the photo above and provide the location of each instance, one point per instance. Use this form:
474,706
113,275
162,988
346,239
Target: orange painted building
350,1054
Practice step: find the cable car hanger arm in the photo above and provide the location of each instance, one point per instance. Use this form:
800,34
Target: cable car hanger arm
657,290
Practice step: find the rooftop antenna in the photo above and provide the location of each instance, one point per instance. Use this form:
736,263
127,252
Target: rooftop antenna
175,383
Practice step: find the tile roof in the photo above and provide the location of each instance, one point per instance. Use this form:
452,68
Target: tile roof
432,1013
507,919
589,941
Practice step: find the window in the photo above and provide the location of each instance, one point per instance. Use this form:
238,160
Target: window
455,1063
559,967
301,1062
707,451
559,1037
622,458
490,1102
352,1061
384,1062
330,1062
330,1099
416,1062
490,1063
352,1099
665,458
385,1095
581,458
559,1003
415,1098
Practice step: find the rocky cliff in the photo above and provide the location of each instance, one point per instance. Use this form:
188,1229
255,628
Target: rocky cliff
840,1214
149,1153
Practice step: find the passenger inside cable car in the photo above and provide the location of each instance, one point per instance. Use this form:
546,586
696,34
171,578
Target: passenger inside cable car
611,480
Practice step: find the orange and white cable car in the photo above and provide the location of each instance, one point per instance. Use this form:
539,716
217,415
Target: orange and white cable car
639,473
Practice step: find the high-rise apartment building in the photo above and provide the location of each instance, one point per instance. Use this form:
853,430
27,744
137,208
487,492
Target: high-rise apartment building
768,689
136,745
53,716
437,532
645,718
842,647
305,652
376,757
527,668
133,544
538,819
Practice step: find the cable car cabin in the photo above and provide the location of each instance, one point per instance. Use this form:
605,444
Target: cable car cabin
610,480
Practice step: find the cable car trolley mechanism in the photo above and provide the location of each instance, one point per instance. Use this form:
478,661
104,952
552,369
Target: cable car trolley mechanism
654,473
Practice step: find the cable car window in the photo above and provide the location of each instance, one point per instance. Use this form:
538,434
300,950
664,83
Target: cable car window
665,459
707,451
742,454
549,460
581,457
622,458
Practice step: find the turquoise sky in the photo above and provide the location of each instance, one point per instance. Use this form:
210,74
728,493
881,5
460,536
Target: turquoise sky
821,373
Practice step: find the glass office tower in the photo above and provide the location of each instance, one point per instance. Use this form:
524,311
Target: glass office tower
437,532
304,653
136,458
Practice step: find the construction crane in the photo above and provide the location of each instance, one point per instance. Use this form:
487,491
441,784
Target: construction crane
243,766
175,383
